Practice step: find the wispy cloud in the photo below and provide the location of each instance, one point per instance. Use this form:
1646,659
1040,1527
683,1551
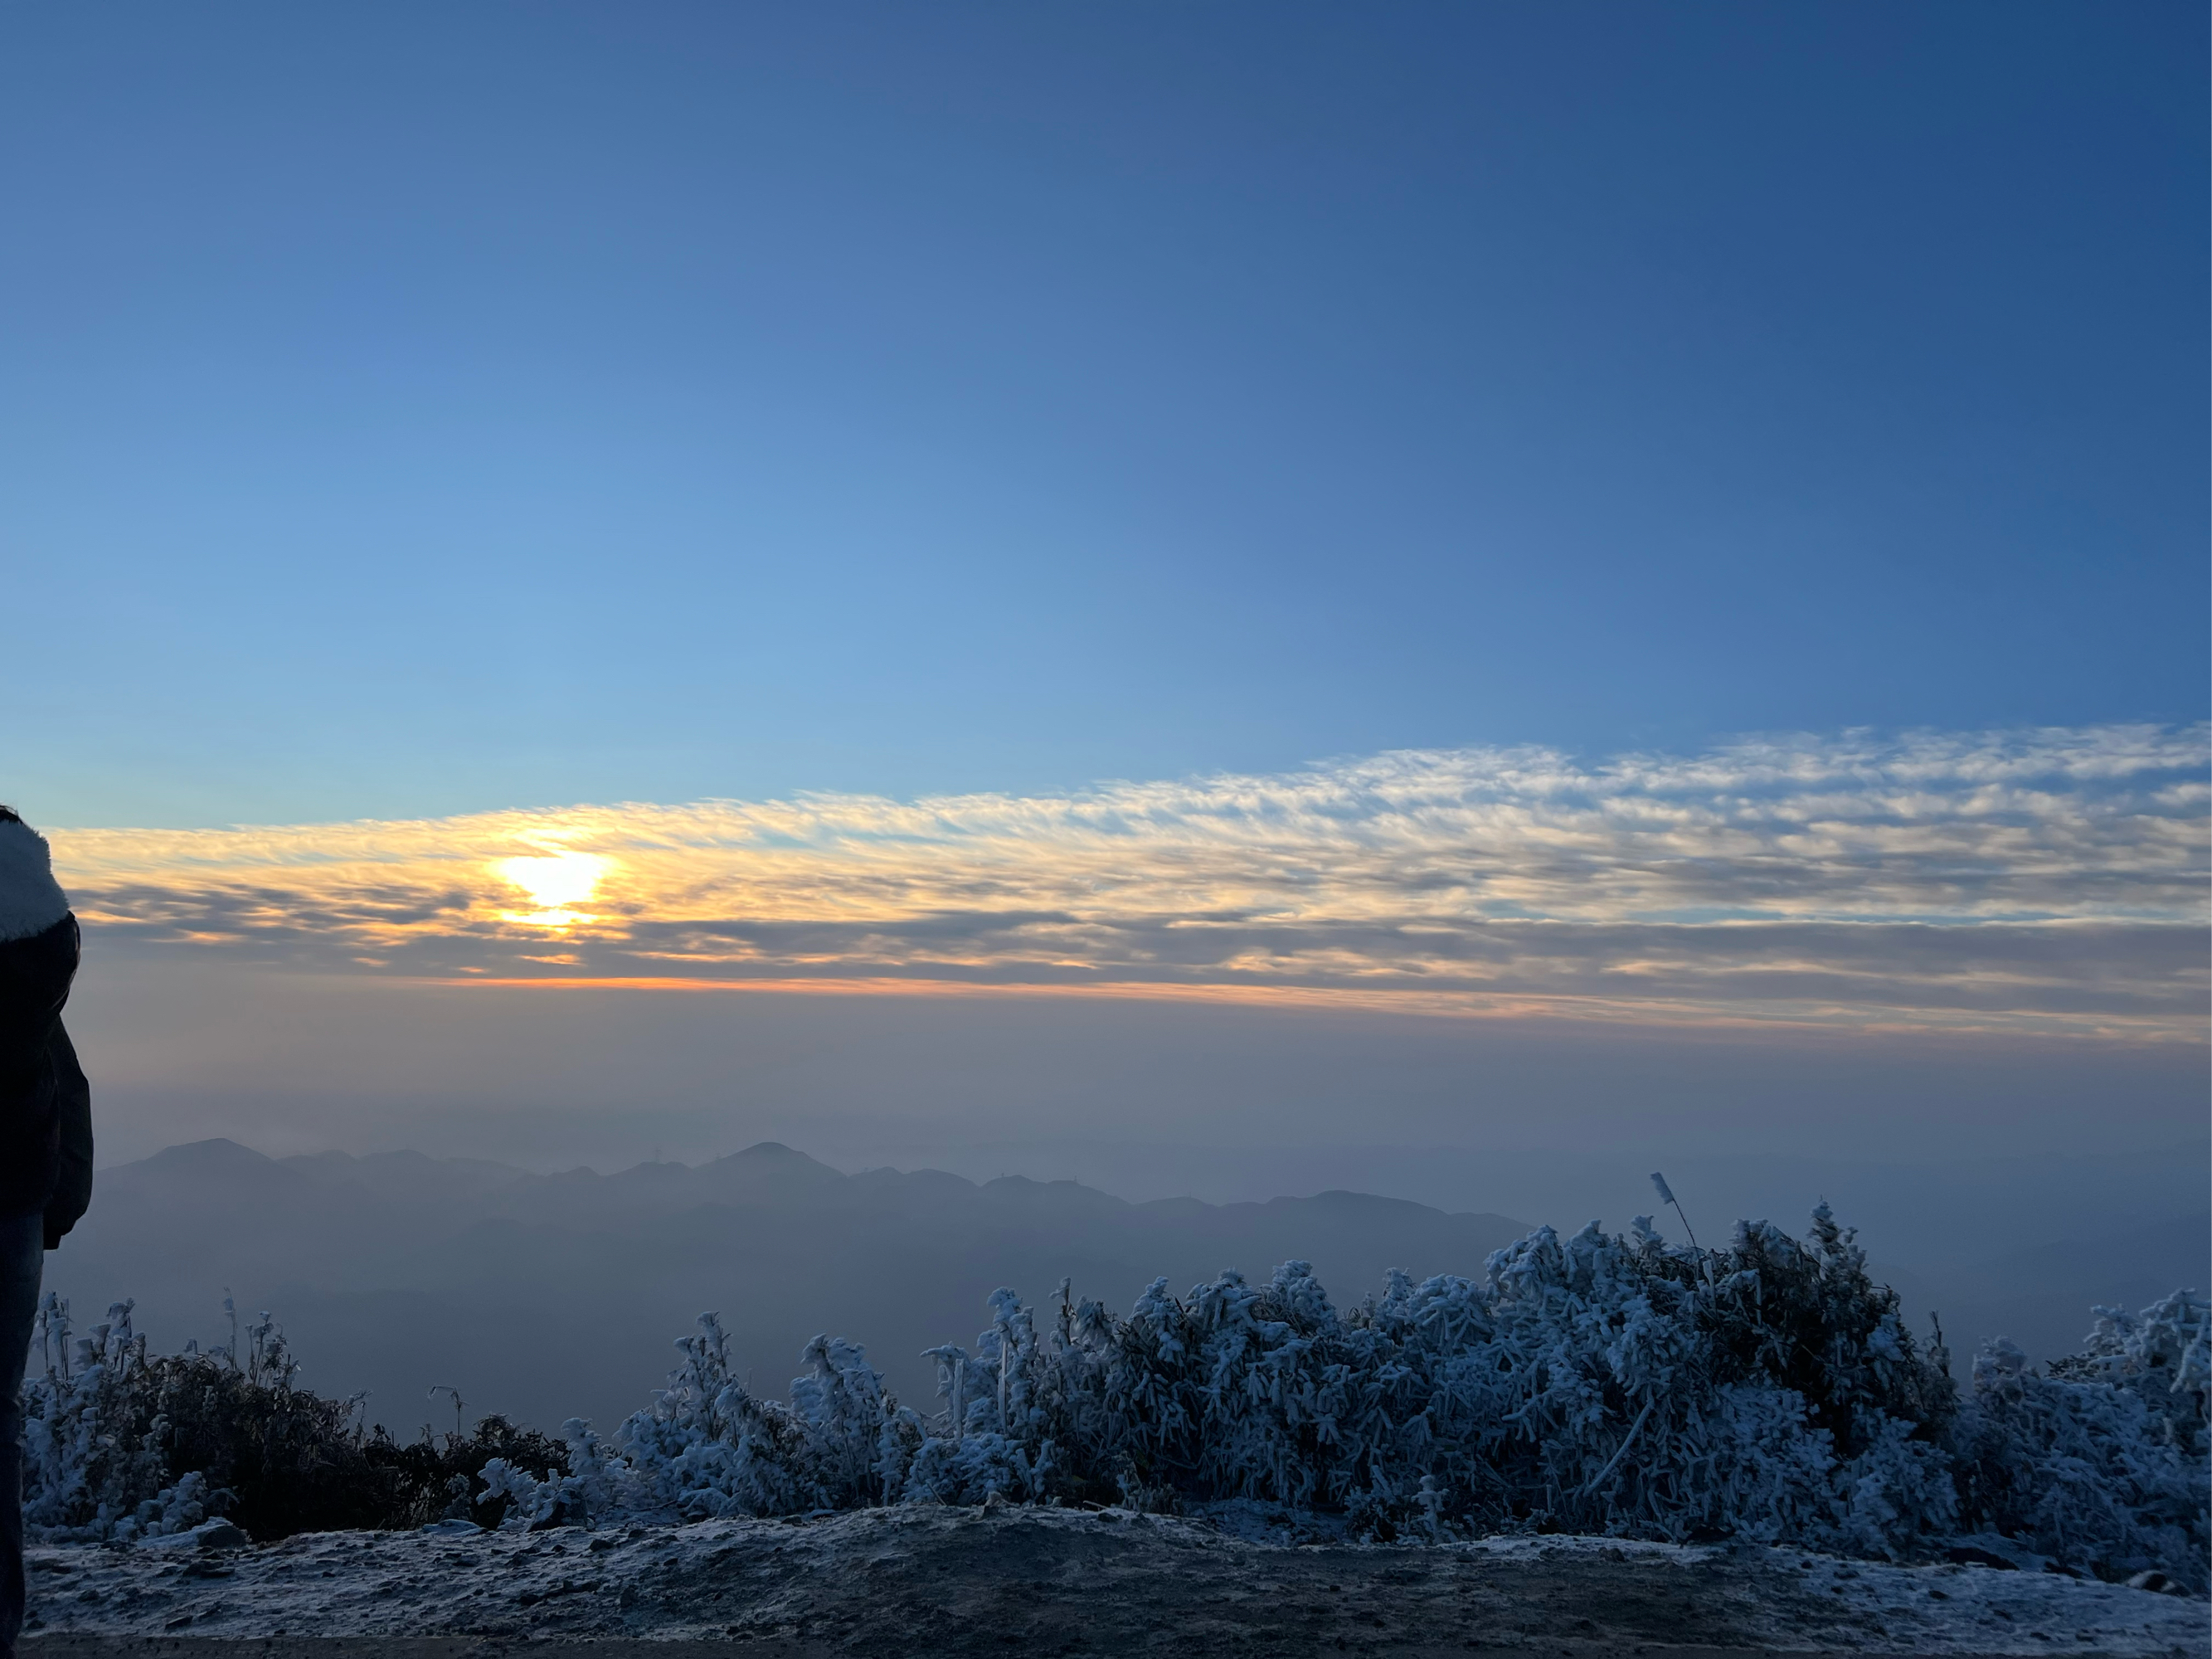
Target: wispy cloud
2049,880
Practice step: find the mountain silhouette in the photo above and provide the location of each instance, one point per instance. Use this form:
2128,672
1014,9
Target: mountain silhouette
546,1296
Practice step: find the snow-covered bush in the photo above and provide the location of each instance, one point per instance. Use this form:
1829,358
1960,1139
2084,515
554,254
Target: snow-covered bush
95,1464
2099,1460
1594,1384
560,1497
120,1444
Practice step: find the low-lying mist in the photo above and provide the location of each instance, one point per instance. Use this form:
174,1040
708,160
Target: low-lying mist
541,1297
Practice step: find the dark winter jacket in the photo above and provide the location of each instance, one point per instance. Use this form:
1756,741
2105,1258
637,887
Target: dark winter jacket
46,1111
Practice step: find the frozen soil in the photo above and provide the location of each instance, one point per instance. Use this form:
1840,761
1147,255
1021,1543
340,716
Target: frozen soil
918,1580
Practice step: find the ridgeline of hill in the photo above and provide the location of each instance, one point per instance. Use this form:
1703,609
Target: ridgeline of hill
542,1296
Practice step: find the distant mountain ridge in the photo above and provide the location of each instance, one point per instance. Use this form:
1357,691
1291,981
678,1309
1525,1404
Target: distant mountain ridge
544,1296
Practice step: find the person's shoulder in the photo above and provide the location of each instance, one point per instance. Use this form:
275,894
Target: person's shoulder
31,900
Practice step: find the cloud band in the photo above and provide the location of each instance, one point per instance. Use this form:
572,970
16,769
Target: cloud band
2051,881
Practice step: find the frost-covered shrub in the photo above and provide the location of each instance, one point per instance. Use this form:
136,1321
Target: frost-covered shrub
96,1463
1597,1383
566,1496
120,1444
1594,1384
707,1448
2099,1460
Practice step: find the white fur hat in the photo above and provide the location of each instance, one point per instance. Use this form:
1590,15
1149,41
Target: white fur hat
31,900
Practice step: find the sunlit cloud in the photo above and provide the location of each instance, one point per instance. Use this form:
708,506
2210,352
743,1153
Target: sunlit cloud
2051,881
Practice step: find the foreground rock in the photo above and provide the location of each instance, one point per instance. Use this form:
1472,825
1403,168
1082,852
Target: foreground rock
914,1580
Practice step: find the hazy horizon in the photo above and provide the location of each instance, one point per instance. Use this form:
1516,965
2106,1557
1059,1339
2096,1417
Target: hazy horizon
546,1296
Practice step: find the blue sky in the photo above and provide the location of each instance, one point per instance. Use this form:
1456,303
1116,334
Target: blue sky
417,410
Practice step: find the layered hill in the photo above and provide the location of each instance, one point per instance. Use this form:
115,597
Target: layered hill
544,1296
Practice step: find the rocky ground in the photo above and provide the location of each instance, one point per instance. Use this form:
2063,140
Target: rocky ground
1046,1582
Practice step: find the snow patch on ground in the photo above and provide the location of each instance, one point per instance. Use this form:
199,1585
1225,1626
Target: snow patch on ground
912,1577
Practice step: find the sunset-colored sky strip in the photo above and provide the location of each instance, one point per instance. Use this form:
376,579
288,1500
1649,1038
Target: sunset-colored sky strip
2051,882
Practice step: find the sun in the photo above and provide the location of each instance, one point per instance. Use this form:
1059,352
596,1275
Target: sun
555,882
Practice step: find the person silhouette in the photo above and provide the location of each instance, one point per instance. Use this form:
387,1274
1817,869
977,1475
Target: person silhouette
46,1147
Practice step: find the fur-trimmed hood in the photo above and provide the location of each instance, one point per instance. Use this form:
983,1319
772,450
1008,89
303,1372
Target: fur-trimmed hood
31,900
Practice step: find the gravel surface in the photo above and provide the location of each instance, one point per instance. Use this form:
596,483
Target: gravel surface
915,1580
